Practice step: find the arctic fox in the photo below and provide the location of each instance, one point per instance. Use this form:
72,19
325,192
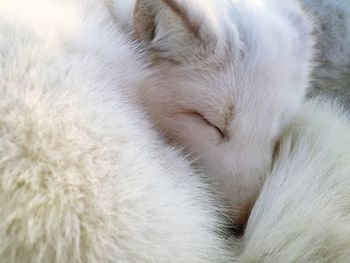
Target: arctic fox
228,77
83,178
303,212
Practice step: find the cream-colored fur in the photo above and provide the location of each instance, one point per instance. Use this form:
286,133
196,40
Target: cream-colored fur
229,76
303,212
83,178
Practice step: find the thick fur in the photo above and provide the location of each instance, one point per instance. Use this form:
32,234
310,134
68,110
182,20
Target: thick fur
303,212
83,178
229,75
332,77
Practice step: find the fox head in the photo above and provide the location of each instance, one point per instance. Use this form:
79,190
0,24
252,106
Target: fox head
228,77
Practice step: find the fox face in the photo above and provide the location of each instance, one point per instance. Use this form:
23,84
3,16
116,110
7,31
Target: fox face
228,77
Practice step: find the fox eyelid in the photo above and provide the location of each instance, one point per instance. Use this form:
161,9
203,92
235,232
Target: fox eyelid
199,115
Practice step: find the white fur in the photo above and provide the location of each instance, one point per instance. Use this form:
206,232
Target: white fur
303,212
229,77
333,35
83,178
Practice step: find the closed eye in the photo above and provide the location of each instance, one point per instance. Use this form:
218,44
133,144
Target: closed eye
200,116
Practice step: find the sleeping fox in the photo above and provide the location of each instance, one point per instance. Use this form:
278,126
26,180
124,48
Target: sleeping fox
228,76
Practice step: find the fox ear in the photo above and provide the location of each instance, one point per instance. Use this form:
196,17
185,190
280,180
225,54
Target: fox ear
176,28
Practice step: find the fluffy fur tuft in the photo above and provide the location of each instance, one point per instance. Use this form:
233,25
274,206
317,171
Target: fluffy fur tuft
83,178
303,212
